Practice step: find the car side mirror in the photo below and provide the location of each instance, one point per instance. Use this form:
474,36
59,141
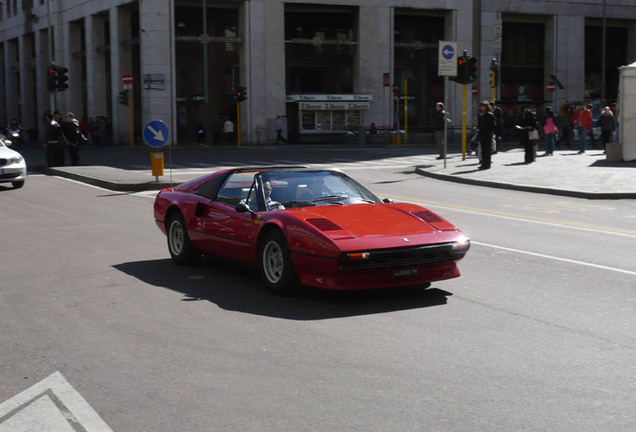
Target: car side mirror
242,207
387,200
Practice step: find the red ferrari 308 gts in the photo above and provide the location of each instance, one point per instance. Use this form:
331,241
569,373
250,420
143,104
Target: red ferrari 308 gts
315,227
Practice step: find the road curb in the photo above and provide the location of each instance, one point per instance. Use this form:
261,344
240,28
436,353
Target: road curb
527,188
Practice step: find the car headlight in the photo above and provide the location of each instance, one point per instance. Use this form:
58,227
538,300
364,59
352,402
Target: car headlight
15,134
16,159
461,245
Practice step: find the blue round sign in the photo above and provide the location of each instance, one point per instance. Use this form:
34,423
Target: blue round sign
156,133
448,52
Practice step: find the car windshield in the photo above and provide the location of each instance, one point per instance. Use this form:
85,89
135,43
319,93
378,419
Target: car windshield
293,189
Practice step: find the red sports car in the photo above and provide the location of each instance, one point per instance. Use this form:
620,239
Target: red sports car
315,227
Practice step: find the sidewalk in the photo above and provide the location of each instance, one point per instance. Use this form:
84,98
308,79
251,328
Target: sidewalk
567,173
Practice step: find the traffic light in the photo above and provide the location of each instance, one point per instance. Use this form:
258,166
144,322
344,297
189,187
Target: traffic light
240,93
51,78
61,78
123,97
461,70
494,73
395,89
466,69
471,70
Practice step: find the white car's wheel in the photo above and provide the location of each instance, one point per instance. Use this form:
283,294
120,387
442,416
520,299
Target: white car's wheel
18,184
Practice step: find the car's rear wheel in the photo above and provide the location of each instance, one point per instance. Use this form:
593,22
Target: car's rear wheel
276,265
179,245
17,184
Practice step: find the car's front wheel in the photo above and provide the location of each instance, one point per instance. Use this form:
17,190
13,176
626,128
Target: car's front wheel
179,245
277,268
17,184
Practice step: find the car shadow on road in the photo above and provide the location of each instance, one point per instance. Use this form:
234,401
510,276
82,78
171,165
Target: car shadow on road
238,287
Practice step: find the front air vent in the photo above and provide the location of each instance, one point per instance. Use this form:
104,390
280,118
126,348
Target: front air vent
428,216
324,224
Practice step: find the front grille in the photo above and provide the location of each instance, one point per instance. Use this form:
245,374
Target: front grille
404,257
9,176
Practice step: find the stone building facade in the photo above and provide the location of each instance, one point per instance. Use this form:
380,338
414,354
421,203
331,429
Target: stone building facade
327,66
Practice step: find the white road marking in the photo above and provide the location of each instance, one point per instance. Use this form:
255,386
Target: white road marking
50,405
556,258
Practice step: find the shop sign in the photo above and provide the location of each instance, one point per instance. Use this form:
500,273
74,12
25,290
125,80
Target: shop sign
329,97
333,106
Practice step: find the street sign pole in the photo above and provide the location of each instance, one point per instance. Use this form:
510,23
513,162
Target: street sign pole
406,109
238,123
464,122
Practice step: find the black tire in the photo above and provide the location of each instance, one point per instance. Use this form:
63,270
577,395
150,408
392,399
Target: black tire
179,246
17,184
276,265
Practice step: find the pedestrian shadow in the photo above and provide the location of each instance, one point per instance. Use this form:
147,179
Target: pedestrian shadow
610,164
237,287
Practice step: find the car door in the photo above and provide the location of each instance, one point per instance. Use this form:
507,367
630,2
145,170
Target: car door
225,231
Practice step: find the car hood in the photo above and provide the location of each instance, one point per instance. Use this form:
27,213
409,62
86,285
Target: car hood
6,152
373,220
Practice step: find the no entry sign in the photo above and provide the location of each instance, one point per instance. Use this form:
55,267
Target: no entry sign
550,86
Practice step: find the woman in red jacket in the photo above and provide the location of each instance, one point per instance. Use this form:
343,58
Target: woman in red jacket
584,126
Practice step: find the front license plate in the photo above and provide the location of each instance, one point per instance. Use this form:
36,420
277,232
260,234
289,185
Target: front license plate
404,273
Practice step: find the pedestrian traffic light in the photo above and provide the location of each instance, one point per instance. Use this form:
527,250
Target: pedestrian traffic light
240,93
61,78
123,97
52,78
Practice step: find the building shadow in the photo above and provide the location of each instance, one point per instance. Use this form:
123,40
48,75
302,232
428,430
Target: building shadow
236,287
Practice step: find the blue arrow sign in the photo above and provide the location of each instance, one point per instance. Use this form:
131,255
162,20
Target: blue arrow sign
156,133
448,52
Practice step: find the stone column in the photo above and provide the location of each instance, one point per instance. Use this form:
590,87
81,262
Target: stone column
120,63
28,107
373,60
271,87
11,71
95,43
570,52
157,58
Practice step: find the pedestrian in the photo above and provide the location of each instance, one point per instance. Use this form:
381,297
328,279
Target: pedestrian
228,131
439,125
549,130
607,123
73,136
53,141
565,122
373,130
499,127
584,126
280,126
200,134
614,108
529,127
486,129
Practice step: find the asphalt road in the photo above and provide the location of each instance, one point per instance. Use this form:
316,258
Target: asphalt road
538,333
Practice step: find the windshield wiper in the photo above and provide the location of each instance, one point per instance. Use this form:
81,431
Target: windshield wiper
330,197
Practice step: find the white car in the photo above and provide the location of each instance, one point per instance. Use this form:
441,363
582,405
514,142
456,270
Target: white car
12,165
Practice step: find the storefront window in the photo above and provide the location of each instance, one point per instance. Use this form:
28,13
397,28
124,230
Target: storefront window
323,120
308,119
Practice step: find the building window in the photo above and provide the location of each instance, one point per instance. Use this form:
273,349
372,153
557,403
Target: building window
416,41
522,62
320,45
